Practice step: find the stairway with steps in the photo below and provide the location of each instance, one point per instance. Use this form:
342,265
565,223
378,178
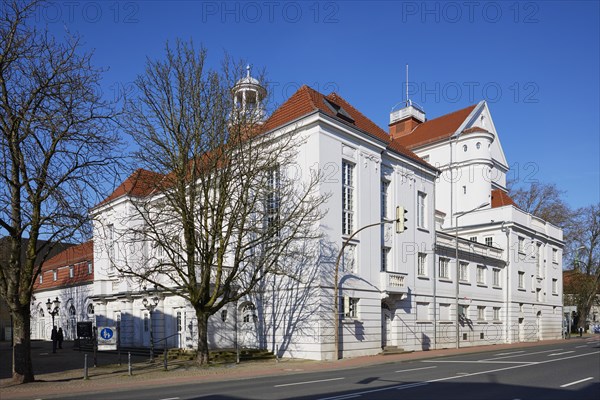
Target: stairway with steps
389,350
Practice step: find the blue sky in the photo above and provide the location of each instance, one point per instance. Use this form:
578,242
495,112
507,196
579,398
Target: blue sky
536,62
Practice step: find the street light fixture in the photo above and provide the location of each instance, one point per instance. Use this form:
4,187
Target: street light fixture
53,308
150,306
457,216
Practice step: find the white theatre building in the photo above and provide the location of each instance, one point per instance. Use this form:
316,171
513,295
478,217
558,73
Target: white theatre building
398,289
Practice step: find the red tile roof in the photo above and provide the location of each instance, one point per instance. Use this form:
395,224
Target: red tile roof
139,184
436,129
302,103
307,100
500,199
77,256
475,129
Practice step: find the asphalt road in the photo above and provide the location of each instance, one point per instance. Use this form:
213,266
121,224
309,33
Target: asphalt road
569,370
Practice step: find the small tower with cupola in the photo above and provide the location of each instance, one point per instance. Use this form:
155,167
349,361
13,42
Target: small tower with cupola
248,97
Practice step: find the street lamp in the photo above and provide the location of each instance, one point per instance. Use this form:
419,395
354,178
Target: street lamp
150,306
53,307
336,289
457,216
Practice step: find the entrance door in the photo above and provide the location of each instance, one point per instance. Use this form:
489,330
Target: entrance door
386,326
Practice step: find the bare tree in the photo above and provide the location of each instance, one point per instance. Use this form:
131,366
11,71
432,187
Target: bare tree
583,241
54,148
226,210
544,200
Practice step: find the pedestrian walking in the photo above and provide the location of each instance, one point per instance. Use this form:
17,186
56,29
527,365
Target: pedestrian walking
54,337
60,337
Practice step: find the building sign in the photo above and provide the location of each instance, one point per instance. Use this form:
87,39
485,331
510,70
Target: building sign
107,338
85,330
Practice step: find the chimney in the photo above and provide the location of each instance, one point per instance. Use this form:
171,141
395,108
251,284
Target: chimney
404,120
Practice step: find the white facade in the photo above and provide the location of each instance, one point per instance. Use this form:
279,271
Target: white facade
399,289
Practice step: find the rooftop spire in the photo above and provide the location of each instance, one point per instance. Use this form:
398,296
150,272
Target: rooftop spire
247,70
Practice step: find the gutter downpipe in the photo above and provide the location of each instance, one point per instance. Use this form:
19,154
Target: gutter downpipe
507,329
434,276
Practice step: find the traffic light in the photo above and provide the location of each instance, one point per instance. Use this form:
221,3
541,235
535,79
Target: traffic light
401,219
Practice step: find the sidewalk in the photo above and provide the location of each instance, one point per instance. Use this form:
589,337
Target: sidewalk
146,375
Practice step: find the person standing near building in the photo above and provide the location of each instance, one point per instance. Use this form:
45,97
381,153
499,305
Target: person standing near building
60,337
54,337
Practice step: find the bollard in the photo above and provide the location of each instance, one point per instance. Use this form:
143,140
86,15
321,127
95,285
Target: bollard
85,368
129,362
165,359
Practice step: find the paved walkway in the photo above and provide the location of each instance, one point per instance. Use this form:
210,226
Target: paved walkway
55,376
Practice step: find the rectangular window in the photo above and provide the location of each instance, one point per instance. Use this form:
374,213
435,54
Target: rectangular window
463,270
422,311
496,277
521,280
463,311
538,260
555,256
71,271
473,239
55,275
489,241
349,261
347,198
385,258
538,295
273,201
496,313
481,274
481,313
422,264
421,210
521,244
554,286
110,238
443,268
90,267
351,307
384,199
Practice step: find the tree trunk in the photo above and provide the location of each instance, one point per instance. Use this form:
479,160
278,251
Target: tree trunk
22,367
202,357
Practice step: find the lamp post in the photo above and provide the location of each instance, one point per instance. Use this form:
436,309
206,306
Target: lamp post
150,306
457,216
336,289
53,308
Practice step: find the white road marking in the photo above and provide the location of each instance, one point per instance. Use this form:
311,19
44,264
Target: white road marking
512,352
560,354
171,398
411,385
480,362
520,355
415,369
576,382
578,347
307,382
357,394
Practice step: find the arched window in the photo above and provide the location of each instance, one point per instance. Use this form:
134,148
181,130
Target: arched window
248,313
224,315
90,309
72,311
41,313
